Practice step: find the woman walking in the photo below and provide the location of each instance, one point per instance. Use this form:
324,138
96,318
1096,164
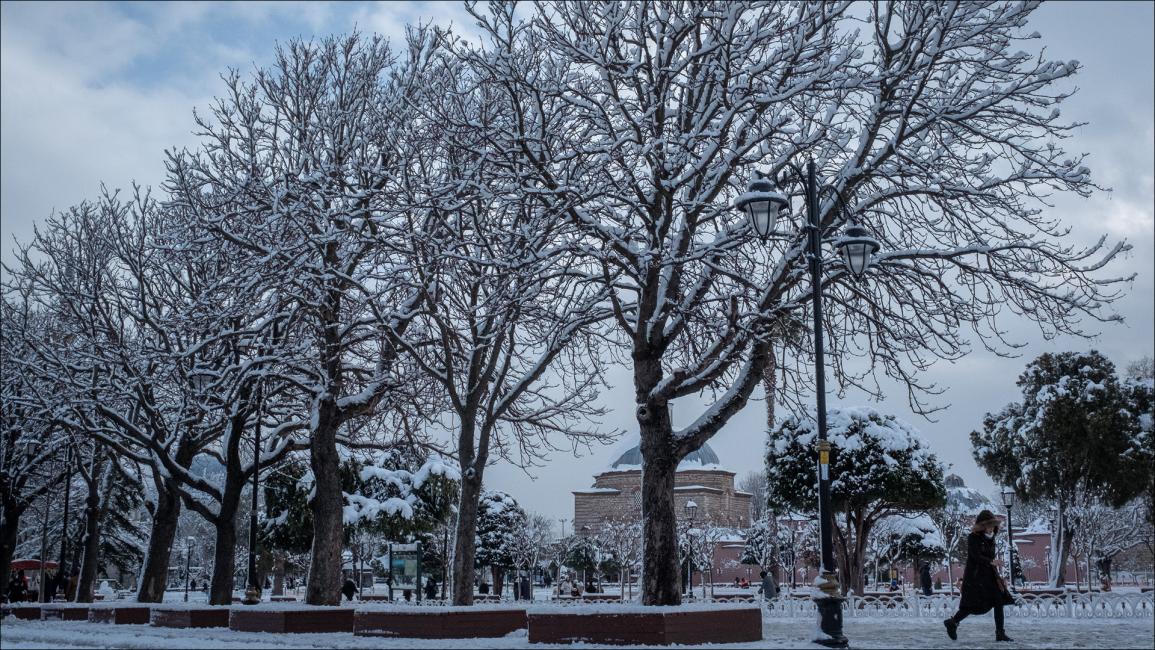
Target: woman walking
982,588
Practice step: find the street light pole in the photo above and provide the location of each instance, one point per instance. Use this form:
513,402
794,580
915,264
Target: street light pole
188,541
691,511
1008,495
762,202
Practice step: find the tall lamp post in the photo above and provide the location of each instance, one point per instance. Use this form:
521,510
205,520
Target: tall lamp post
1008,495
253,593
188,542
691,513
762,202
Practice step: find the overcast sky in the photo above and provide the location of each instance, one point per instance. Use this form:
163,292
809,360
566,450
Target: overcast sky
94,93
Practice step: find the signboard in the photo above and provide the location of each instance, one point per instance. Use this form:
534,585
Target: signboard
405,567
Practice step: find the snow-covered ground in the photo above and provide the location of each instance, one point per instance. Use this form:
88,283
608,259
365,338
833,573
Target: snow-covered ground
975,632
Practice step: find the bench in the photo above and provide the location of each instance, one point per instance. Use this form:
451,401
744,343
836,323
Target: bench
189,617
439,623
292,620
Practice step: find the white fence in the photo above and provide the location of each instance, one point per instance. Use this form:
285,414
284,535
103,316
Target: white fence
1068,605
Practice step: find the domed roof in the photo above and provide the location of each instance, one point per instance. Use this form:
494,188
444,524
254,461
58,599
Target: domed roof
632,458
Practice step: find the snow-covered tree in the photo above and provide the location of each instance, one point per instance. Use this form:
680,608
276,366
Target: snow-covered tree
913,539
879,467
505,309
622,538
639,122
499,521
1071,439
299,173
32,444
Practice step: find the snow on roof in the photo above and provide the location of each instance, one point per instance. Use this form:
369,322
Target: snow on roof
598,490
696,487
630,457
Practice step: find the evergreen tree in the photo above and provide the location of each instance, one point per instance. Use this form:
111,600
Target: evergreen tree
1074,436
499,519
879,466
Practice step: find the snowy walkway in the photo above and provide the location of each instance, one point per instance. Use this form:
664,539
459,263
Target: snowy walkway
976,632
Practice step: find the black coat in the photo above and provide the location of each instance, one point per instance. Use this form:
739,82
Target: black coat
980,589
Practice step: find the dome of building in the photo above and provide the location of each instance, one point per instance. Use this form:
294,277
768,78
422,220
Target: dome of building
632,458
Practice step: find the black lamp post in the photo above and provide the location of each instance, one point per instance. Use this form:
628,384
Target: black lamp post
188,542
691,512
762,203
1008,495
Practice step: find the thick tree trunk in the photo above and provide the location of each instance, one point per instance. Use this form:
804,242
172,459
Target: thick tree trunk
498,574
327,507
660,570
154,573
1060,549
9,528
465,551
770,386
224,558
279,573
88,567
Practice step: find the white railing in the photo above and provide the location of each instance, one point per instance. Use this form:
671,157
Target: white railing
1066,605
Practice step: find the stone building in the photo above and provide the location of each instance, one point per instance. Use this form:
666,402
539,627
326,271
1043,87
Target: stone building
700,478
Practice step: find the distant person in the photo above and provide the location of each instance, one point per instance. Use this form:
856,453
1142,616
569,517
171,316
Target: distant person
430,589
925,579
349,589
16,588
983,589
768,589
483,588
547,581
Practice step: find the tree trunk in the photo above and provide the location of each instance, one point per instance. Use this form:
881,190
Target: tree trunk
154,573
224,558
660,570
88,567
327,507
770,385
464,549
9,528
498,574
1060,548
279,573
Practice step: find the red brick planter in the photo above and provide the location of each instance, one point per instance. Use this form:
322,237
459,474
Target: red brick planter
23,612
63,613
439,623
185,617
664,626
292,620
123,615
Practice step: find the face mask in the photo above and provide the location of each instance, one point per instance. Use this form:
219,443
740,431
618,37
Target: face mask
990,534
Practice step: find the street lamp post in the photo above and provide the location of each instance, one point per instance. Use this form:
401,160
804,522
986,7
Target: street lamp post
188,542
253,593
691,512
761,203
1008,495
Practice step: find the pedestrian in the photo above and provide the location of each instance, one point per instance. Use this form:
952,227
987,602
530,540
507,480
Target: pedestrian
349,589
430,589
16,589
548,581
483,588
982,588
526,589
768,590
924,578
